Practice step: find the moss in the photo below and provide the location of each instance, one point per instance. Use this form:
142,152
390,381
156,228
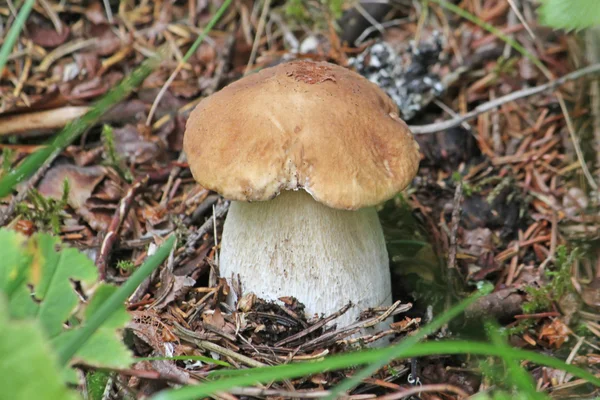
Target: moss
111,157
46,213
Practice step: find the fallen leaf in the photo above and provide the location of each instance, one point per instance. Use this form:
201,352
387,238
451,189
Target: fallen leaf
129,143
82,182
47,36
215,319
556,332
106,43
95,13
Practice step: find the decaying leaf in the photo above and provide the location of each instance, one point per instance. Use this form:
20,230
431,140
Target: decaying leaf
47,36
172,288
82,182
556,332
133,146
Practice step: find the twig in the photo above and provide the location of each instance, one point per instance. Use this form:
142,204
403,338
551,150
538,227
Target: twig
383,316
575,141
490,105
374,23
351,329
440,387
285,394
115,224
314,327
174,172
45,120
194,238
109,14
521,18
190,336
52,16
61,51
373,28
456,209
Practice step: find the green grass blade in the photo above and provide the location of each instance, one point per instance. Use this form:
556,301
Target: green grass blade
206,30
13,33
517,376
296,370
118,298
406,343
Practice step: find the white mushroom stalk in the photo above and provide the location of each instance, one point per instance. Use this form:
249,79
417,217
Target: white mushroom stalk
295,246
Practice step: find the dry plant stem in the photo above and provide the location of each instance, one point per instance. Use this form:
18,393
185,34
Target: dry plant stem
374,23
314,327
112,234
62,51
46,120
575,141
490,105
162,92
456,209
259,31
190,336
174,172
52,16
195,238
521,18
329,338
442,387
313,394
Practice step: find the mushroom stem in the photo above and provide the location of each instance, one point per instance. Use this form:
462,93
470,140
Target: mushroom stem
295,246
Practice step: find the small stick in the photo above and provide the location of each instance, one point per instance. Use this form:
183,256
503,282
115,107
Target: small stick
286,394
174,172
115,224
190,336
490,105
456,209
194,238
314,327
538,315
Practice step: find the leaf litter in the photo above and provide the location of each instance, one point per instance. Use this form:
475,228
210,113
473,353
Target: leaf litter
521,199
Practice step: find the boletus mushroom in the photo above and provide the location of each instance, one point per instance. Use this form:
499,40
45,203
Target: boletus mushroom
304,150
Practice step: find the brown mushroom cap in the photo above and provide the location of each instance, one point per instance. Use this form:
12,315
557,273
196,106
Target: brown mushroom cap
302,124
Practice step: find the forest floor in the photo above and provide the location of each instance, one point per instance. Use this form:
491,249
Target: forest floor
507,196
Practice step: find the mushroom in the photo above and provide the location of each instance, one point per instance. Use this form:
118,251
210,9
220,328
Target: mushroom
304,150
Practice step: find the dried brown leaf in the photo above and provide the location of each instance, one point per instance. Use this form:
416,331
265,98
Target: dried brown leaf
47,37
82,182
